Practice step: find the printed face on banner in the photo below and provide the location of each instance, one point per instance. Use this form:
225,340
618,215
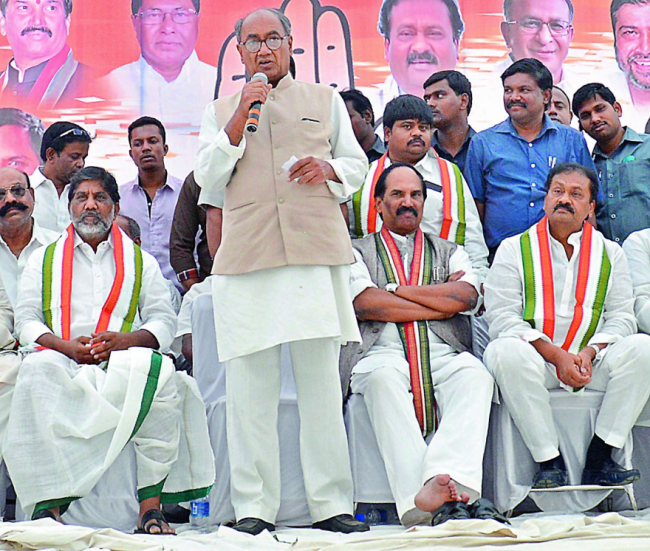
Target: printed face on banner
632,43
167,31
421,42
539,29
16,149
36,30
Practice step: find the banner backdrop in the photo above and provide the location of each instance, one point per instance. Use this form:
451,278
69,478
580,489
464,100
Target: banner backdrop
97,63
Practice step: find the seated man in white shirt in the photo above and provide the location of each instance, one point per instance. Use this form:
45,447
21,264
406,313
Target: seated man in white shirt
412,293
560,309
97,310
20,234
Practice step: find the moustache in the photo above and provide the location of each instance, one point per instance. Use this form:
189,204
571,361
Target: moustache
565,206
515,103
421,56
415,140
634,57
8,206
36,29
404,210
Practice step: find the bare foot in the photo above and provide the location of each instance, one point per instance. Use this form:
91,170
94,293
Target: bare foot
436,491
464,497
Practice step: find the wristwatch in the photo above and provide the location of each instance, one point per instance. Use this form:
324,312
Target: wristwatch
391,287
594,348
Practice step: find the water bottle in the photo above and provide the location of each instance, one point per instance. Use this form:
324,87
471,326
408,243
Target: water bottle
373,517
200,514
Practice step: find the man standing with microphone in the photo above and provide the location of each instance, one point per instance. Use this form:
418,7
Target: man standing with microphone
282,272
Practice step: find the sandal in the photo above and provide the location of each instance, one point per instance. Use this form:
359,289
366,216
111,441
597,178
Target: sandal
153,517
484,509
451,510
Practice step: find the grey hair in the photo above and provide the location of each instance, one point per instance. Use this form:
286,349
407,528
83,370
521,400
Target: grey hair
286,24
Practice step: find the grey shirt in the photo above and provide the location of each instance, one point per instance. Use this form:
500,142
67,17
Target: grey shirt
623,204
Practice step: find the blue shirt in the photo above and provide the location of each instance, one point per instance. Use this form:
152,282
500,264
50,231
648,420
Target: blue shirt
507,173
623,204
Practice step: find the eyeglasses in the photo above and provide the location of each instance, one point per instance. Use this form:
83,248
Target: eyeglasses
156,17
273,43
17,190
74,132
533,26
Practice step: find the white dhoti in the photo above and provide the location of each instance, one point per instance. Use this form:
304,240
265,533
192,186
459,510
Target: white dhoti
524,379
69,422
309,307
9,366
463,390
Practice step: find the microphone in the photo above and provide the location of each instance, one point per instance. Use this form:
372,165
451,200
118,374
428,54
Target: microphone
254,112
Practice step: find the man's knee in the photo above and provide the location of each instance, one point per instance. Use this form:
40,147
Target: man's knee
384,380
506,355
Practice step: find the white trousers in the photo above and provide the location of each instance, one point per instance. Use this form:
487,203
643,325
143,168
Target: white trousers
253,395
524,379
463,390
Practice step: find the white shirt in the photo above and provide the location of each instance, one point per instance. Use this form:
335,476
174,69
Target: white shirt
637,250
504,300
265,308
92,279
6,320
50,208
389,342
11,268
432,217
180,101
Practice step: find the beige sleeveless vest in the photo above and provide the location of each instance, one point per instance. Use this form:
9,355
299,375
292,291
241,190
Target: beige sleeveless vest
267,221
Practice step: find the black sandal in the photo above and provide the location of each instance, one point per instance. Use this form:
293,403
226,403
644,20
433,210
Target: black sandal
451,510
153,517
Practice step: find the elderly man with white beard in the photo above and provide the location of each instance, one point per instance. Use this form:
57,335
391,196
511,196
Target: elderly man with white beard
96,311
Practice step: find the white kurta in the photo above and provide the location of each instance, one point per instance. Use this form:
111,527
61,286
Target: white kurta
463,390
180,101
11,268
637,250
92,279
524,377
9,362
69,422
261,309
432,216
50,208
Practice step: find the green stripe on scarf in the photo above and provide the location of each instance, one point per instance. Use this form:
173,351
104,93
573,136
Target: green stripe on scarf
48,261
135,297
356,208
529,279
462,225
599,303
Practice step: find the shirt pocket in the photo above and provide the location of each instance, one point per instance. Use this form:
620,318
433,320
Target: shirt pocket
634,179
